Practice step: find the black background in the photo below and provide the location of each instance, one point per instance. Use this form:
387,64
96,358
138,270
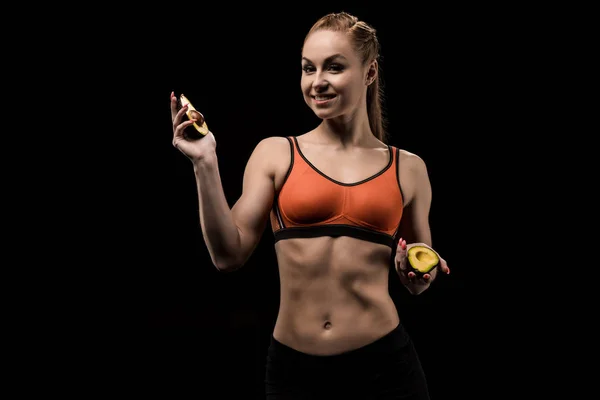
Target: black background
172,324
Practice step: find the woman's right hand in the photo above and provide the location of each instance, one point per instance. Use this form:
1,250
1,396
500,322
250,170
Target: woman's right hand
195,149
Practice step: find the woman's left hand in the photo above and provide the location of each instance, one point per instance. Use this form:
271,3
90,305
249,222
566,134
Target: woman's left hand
416,284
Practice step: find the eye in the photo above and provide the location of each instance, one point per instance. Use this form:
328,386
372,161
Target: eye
336,67
331,67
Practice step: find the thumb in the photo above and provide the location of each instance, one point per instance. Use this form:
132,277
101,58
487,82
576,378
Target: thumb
401,254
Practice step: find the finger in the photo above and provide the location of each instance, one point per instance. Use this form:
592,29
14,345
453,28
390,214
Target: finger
176,112
179,133
177,121
173,106
401,254
444,266
404,279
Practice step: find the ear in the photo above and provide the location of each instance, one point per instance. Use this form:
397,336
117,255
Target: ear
371,72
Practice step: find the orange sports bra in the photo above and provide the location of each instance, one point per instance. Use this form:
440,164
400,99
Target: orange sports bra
311,204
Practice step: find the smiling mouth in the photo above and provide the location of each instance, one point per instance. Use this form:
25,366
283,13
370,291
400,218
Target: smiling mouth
323,97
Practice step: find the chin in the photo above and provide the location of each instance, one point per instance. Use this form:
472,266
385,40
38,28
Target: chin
325,114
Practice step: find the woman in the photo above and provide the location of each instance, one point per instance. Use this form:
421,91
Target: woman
343,206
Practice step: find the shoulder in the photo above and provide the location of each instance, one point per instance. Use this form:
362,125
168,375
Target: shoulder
411,162
272,154
272,148
272,144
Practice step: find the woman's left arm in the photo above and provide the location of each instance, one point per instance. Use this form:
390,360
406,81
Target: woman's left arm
414,228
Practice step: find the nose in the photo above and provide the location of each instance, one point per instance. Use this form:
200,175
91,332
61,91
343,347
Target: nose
320,83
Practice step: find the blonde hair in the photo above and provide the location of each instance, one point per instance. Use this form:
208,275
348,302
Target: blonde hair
364,40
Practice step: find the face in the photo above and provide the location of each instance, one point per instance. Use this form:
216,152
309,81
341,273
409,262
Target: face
333,77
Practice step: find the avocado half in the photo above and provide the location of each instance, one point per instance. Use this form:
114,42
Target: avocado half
198,128
422,259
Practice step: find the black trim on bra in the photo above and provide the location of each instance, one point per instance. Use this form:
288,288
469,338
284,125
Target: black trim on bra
287,175
277,212
335,231
398,173
397,233
389,164
289,171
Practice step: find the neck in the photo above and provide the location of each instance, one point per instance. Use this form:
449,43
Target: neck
347,129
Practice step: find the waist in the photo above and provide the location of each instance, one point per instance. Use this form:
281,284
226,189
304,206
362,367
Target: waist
333,320
393,337
334,293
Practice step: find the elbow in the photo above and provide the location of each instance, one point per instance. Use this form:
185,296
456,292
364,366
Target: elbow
227,265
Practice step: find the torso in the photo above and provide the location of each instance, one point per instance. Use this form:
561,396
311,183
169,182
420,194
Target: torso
334,290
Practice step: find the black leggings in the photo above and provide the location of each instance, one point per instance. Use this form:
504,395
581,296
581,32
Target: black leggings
388,368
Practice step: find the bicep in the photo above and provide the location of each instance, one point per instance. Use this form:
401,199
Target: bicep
414,227
251,211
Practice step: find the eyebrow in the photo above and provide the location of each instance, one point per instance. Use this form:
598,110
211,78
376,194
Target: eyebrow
328,59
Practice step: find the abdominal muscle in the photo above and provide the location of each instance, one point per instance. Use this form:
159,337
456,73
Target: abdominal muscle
334,294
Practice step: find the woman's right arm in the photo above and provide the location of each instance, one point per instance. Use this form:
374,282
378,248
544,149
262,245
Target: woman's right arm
230,234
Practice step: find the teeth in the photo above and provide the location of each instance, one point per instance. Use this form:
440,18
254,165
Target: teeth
324,97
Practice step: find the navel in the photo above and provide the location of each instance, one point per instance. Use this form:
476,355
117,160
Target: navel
327,325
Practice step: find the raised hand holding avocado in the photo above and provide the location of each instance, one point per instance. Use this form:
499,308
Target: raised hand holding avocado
191,135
